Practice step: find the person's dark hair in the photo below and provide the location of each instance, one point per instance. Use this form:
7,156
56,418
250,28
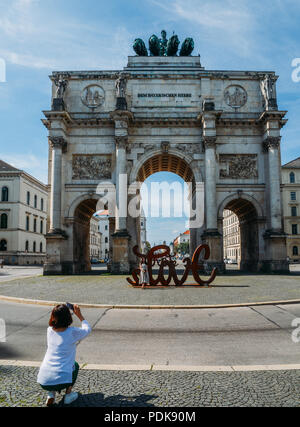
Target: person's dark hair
60,317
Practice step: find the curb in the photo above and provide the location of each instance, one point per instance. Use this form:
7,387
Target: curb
178,368
147,307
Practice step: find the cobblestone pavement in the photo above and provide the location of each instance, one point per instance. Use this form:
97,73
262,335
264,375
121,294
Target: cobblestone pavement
115,290
18,388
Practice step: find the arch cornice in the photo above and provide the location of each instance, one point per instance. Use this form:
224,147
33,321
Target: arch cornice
171,151
243,196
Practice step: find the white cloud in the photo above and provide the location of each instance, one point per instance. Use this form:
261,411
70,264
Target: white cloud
30,163
33,38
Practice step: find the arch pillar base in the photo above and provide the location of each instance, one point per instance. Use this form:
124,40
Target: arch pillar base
213,239
120,262
276,253
55,248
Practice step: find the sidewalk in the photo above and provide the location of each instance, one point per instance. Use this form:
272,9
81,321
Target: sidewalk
18,388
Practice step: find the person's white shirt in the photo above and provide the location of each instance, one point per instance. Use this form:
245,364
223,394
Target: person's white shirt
58,364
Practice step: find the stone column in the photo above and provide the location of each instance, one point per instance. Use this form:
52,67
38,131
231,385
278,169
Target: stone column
211,235
57,145
121,237
275,259
121,184
210,183
272,145
55,238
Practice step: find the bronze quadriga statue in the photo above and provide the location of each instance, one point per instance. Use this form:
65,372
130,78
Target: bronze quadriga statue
163,46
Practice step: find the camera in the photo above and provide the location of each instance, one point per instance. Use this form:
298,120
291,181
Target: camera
70,306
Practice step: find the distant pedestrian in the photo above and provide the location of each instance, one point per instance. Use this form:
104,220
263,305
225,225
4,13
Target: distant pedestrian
59,370
144,275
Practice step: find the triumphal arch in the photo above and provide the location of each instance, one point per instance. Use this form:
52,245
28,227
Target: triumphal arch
165,112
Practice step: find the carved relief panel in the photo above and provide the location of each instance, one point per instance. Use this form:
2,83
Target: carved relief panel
238,166
91,166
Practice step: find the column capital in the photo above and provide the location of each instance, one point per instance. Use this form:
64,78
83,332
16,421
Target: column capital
58,142
121,141
271,142
209,141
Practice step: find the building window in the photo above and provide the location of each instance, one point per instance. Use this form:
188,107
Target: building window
41,247
294,228
294,211
295,251
35,201
106,227
28,198
3,221
41,227
106,239
3,245
42,204
27,246
34,247
293,195
27,223
292,178
4,194
34,225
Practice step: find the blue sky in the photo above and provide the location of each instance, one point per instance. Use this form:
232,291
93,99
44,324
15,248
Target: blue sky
38,36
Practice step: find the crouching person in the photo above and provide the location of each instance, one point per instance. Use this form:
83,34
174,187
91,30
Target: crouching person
59,370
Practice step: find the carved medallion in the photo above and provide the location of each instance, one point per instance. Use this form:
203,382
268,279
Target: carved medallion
93,96
235,96
238,166
91,167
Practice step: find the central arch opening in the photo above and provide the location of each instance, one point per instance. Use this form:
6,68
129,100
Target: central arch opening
167,198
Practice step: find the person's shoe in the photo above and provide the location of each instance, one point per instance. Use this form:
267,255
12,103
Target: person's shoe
50,399
71,397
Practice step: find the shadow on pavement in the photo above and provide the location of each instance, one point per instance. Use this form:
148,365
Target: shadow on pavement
7,353
117,401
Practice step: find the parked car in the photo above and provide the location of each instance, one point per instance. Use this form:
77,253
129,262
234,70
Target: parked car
94,261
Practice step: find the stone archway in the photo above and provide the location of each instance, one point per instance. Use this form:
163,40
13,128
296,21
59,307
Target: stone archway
82,214
81,234
249,215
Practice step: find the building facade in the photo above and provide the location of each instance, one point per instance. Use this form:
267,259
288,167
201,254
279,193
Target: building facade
231,237
95,239
104,230
23,217
182,238
219,130
291,207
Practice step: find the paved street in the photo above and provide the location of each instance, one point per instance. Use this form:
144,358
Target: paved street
215,337
157,358
8,272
